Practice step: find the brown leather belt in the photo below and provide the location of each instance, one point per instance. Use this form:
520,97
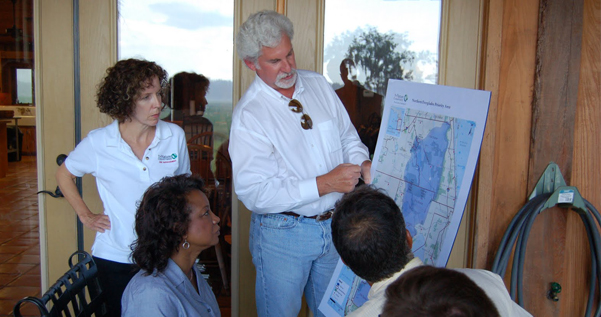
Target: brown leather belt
321,217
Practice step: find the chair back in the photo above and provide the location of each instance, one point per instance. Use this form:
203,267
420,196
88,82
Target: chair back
223,175
76,293
203,138
200,161
194,125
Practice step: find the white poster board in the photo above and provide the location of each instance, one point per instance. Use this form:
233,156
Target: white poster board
425,158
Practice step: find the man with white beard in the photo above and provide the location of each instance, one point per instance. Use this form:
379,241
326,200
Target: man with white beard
294,153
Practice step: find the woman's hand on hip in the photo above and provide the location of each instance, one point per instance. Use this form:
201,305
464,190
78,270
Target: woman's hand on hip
96,222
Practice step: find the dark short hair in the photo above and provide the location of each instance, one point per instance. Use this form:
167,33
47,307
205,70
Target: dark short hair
368,231
184,85
162,220
123,83
433,291
346,64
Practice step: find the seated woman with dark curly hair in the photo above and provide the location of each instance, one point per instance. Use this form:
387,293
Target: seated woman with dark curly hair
174,223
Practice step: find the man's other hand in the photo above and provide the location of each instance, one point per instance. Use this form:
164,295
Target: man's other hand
341,179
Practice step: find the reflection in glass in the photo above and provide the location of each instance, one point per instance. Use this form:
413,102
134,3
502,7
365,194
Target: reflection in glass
193,41
16,53
24,85
395,39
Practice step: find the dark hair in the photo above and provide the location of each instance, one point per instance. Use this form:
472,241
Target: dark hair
346,64
368,231
120,88
185,86
162,220
433,291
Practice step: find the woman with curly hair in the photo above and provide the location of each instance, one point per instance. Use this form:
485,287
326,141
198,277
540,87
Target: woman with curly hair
125,157
174,223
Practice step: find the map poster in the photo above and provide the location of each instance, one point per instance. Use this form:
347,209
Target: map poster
425,158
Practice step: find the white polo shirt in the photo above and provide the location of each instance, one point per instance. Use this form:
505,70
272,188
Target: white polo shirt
122,178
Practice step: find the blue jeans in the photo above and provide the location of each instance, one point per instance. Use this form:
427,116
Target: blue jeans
291,256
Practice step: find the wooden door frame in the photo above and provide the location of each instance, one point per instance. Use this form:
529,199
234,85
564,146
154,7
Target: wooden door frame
54,90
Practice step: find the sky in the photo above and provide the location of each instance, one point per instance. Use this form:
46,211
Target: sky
197,35
180,35
420,18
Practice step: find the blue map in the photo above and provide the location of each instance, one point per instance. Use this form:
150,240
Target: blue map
421,164
349,292
425,158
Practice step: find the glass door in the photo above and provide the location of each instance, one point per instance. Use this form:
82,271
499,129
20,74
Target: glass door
193,42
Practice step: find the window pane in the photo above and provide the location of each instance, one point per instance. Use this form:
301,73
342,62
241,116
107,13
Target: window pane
24,86
184,36
366,42
193,41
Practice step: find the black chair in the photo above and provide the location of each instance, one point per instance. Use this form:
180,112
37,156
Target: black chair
76,293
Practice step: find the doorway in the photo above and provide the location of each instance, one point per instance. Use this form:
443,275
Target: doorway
20,273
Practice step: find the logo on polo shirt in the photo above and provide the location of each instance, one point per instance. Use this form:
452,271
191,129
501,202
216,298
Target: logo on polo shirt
167,158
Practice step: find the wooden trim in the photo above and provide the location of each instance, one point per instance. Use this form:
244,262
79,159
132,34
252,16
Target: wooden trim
319,36
54,104
281,7
461,34
443,42
493,21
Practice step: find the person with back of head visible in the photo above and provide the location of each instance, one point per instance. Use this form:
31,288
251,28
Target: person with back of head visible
368,230
294,152
434,291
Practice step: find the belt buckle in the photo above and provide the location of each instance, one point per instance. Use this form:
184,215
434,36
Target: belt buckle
325,216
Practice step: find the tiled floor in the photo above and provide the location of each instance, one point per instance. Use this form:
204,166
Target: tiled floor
19,235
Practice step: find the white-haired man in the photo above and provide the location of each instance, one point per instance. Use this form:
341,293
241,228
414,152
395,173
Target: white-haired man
294,152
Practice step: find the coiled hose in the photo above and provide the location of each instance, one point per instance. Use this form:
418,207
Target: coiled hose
517,234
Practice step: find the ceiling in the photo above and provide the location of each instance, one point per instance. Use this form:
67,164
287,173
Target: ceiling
23,19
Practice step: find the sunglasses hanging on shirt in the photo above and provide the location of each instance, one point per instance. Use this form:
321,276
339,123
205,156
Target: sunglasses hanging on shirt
297,107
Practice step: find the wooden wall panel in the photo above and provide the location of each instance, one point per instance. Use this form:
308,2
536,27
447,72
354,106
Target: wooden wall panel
553,113
537,64
586,165
503,173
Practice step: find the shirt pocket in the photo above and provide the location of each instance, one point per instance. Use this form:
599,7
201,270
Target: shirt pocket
330,138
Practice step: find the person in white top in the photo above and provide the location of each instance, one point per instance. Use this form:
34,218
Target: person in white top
294,152
435,291
368,230
125,157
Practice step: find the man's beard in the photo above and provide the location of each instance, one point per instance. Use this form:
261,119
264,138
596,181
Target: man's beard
285,84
